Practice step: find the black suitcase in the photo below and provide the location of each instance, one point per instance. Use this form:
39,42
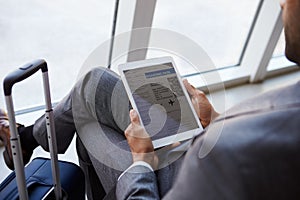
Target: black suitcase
39,182
42,178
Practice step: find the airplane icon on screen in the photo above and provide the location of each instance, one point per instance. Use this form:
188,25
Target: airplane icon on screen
171,102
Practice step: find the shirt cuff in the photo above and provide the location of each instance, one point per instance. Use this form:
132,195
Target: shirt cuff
137,163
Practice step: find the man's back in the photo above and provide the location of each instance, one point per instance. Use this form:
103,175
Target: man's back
256,155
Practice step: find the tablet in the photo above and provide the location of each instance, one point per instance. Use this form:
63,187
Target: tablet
157,93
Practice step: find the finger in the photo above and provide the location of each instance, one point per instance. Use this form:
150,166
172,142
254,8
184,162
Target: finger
195,103
189,87
200,96
134,118
128,129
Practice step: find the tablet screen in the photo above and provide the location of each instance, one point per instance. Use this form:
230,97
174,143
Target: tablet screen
160,100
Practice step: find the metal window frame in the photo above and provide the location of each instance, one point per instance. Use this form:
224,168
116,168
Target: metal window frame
265,37
255,59
132,15
256,54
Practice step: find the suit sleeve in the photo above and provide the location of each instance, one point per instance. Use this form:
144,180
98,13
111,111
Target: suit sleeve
139,182
214,176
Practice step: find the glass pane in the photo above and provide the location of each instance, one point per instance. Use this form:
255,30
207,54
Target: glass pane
279,60
63,33
220,27
279,49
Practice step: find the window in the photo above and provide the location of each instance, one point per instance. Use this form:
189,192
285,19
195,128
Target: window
250,53
239,33
62,32
220,27
279,49
278,60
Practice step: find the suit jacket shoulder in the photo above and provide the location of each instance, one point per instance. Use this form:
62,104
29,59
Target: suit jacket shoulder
253,153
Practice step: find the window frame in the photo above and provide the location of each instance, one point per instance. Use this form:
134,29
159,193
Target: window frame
255,57
136,14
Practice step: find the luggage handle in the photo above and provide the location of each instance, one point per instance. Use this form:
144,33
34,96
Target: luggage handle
22,73
16,76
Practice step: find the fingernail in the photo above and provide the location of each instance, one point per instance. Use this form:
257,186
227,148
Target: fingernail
132,113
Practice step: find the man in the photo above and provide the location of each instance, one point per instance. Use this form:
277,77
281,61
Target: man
236,167
256,156
98,98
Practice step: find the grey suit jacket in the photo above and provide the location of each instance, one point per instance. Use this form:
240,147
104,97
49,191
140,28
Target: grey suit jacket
257,155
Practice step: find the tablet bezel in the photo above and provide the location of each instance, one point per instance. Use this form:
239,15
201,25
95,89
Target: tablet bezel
153,62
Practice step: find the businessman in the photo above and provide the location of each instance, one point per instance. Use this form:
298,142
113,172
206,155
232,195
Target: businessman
256,156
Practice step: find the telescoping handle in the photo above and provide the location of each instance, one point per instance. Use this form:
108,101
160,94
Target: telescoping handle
14,77
22,73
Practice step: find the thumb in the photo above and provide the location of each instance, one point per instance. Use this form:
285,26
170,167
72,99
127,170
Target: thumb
189,87
134,118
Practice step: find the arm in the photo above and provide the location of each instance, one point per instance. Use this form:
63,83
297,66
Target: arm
130,184
138,181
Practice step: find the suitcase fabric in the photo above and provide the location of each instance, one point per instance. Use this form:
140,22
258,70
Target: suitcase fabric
42,178
39,181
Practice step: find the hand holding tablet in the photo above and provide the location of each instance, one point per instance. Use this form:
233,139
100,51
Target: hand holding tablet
158,95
